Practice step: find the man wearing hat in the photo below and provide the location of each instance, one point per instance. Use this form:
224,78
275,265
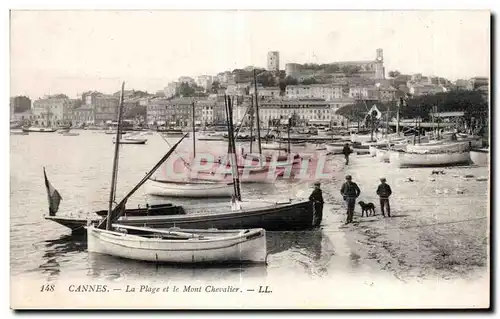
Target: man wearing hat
350,191
316,198
384,191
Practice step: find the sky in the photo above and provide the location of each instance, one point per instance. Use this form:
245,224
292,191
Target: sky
74,51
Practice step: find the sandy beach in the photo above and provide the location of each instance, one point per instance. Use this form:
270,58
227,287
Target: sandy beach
439,227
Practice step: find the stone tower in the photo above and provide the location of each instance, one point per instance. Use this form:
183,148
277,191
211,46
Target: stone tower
273,61
379,65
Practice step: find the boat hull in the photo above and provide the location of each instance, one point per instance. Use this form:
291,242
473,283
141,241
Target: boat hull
246,246
39,130
438,147
480,157
273,146
142,141
404,159
189,190
334,149
272,217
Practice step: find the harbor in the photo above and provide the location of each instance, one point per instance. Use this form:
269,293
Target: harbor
406,246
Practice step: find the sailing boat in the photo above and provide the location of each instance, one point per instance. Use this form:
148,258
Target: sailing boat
171,245
192,188
269,214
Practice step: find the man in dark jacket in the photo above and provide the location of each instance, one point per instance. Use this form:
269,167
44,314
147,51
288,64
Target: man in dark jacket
346,151
316,198
384,192
350,191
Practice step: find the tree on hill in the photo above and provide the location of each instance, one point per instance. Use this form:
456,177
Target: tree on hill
309,81
350,69
266,79
215,87
469,102
136,111
287,81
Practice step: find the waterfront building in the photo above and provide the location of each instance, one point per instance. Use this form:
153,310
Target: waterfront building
314,91
477,82
273,92
53,110
20,104
83,115
106,109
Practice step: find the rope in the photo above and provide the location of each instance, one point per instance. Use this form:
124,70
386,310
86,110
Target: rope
186,164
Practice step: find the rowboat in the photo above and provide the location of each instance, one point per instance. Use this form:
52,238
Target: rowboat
274,146
183,246
334,148
131,140
190,189
480,157
438,147
406,159
212,137
270,215
382,155
35,129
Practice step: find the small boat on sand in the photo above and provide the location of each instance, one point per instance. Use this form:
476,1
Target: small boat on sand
189,189
407,159
480,156
180,246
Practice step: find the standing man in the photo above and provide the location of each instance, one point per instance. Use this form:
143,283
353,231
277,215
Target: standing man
316,198
350,191
384,191
346,151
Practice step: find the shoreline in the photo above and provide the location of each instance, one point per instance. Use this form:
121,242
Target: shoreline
433,232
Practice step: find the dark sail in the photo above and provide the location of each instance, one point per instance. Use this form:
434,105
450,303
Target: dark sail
53,196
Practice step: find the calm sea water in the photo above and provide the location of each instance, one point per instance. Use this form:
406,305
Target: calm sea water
80,168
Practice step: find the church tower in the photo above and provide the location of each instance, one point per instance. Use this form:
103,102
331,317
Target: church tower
379,65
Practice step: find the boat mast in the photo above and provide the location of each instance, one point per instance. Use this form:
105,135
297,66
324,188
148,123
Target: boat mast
194,136
251,125
257,110
115,160
232,148
397,115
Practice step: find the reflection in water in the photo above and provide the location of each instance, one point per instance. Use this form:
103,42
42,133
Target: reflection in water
58,249
113,268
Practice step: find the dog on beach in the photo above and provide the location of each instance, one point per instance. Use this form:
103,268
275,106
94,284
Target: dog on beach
369,208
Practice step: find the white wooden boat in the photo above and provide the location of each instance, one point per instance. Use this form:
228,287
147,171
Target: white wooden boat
131,140
274,146
212,137
362,138
406,159
480,157
189,189
438,147
35,129
373,150
382,155
180,246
